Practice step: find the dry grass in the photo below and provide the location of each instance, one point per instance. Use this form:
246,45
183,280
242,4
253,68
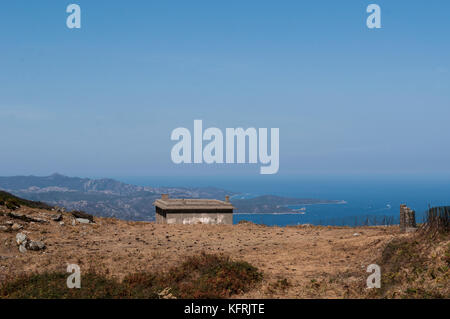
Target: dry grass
202,276
416,268
297,262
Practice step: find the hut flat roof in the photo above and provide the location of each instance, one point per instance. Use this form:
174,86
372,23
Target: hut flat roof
192,204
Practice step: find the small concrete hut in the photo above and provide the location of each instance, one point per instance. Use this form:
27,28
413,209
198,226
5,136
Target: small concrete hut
193,211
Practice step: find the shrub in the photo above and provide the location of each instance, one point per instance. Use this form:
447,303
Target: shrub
53,286
202,276
437,220
212,276
415,267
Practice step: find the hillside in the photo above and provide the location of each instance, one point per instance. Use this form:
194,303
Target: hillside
12,202
295,262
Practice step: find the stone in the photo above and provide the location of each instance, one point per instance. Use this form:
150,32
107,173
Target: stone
21,238
16,226
166,294
3,228
36,245
61,223
356,234
83,215
57,218
83,221
26,218
22,249
40,220
74,222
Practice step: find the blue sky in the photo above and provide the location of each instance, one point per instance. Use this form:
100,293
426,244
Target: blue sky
103,100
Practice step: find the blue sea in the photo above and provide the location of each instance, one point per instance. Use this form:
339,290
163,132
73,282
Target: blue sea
367,200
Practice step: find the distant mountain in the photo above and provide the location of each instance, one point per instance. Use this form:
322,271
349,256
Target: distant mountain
101,197
111,198
61,183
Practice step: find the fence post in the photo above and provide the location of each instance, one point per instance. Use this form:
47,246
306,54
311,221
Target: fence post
407,219
402,217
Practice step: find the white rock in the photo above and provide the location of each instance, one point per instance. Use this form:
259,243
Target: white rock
83,221
356,234
21,238
22,249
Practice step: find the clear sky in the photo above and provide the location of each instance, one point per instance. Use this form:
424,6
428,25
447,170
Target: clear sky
104,99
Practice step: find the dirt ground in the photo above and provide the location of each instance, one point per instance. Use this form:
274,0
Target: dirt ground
297,262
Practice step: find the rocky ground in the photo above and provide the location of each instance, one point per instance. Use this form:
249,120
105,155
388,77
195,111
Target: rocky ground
297,262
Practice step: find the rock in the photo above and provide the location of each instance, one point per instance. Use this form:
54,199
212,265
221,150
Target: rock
16,226
74,222
166,294
36,245
356,234
21,217
39,220
12,206
10,223
83,221
21,238
22,249
57,218
61,223
83,215
26,218
4,228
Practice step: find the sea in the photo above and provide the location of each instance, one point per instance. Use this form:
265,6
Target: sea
363,199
